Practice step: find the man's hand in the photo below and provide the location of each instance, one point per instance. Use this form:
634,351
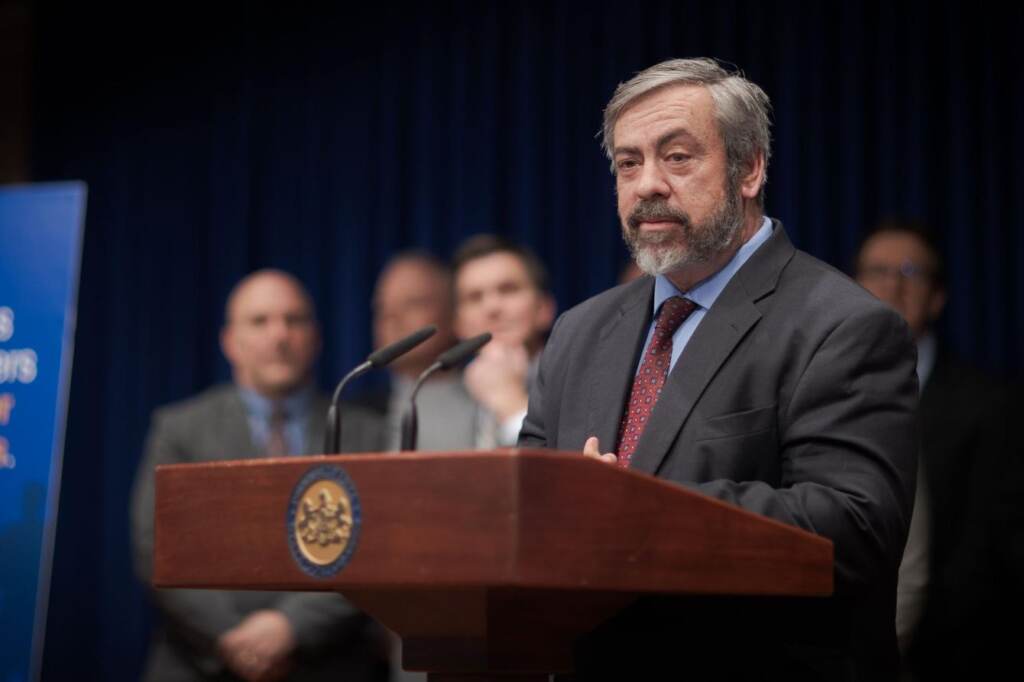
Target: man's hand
258,648
497,379
592,449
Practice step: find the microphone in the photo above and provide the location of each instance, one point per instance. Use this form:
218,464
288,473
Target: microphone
375,360
448,359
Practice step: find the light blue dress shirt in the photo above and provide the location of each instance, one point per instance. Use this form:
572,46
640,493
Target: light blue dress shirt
704,294
259,408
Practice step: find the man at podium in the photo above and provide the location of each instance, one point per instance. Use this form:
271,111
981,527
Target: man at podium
271,340
746,370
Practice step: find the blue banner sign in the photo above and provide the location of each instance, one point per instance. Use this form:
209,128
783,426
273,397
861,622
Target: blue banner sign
40,251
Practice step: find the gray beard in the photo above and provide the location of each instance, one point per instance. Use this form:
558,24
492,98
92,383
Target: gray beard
664,252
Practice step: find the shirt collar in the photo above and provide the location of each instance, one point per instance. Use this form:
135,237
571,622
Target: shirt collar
706,293
262,407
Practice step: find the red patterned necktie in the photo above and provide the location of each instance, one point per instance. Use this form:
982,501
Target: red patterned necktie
653,370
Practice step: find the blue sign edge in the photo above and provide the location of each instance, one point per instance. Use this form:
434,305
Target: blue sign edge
79,191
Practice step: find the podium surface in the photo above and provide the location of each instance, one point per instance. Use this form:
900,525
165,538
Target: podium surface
488,565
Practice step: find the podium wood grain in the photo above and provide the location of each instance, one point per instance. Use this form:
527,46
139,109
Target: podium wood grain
488,565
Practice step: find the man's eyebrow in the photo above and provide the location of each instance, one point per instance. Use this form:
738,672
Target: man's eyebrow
666,139
679,134
625,150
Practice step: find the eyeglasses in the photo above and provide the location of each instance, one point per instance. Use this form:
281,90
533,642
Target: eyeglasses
905,271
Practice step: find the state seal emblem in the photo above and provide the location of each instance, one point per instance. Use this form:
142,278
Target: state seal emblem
323,521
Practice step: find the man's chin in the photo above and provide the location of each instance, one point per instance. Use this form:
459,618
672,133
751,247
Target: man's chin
279,385
661,260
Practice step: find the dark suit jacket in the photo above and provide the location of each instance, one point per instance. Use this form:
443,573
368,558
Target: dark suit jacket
794,399
333,638
972,464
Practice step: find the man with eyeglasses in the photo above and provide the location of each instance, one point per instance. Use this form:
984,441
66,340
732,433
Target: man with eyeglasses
955,561
898,264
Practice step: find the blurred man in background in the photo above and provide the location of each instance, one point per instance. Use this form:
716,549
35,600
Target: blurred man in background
957,568
413,291
271,339
501,288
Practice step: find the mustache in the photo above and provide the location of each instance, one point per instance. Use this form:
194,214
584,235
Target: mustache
655,210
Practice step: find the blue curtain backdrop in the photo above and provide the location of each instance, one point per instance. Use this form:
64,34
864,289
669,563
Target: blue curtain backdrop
321,141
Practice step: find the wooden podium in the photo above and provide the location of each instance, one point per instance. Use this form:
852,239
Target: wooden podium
488,565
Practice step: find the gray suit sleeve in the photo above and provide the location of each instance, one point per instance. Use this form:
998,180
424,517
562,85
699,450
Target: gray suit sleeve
533,434
200,616
320,620
848,447
362,431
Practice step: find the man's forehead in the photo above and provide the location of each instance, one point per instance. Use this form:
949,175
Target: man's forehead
686,108
896,246
406,296
493,268
399,275
266,293
410,280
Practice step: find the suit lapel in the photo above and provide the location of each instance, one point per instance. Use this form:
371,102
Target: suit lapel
618,347
234,429
713,342
316,425
723,327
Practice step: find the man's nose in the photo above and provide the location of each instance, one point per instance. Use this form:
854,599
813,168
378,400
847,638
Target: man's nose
652,182
888,287
492,304
278,330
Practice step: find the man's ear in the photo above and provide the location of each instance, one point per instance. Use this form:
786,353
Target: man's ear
227,344
546,311
752,180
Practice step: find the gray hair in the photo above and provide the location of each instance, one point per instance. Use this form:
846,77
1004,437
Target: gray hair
741,108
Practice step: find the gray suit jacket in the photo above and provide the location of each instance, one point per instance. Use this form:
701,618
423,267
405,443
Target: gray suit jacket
794,399
333,637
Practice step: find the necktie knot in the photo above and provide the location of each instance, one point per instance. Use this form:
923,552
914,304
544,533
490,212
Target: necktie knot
278,414
671,315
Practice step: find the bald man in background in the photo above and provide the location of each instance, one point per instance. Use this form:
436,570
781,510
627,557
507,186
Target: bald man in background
271,339
414,290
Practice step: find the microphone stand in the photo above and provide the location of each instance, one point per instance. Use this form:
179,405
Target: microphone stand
448,359
379,358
